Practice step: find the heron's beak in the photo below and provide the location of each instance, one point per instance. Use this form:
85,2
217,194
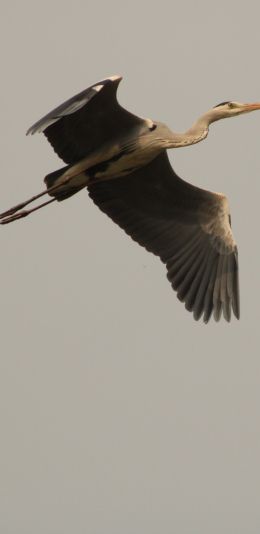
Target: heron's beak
251,107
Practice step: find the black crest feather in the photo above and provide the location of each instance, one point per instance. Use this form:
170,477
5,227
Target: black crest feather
222,104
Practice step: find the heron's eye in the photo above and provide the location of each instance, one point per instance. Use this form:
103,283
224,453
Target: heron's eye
231,105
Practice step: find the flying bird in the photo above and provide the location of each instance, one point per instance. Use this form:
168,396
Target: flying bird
122,160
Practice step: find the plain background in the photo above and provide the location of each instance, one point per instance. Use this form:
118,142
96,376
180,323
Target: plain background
119,413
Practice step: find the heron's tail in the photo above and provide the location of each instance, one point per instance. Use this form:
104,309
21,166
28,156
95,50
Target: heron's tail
60,187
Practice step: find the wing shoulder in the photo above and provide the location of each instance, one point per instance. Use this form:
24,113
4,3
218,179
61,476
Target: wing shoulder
215,220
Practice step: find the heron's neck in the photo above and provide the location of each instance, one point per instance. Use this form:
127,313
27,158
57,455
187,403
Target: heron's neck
198,131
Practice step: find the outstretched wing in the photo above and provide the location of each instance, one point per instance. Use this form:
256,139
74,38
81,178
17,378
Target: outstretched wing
86,121
188,227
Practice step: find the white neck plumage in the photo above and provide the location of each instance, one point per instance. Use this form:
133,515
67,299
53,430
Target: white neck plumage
198,131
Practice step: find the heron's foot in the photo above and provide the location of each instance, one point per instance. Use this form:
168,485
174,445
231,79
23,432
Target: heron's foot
7,219
12,210
11,215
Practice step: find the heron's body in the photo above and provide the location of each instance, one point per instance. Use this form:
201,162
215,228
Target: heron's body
122,160
120,156
123,155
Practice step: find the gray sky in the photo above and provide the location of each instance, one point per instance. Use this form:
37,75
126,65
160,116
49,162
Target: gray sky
119,413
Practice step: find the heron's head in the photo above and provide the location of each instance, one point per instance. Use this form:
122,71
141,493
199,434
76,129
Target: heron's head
231,109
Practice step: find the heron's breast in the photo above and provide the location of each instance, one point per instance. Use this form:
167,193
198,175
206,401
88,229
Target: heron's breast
125,162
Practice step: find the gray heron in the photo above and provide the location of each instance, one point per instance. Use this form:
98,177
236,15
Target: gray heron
122,160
